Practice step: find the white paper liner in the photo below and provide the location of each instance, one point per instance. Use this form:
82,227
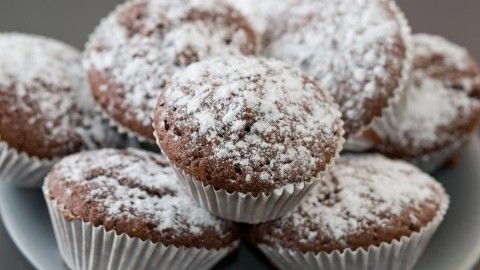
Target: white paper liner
20,169
84,246
398,255
245,208
144,142
387,119
434,161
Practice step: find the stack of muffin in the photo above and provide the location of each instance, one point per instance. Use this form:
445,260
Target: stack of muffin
251,105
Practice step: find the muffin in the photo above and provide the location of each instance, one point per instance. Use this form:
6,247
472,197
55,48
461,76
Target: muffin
369,210
358,50
124,209
45,108
248,136
135,50
442,107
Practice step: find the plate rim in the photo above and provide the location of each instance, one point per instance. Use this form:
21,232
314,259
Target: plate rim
30,258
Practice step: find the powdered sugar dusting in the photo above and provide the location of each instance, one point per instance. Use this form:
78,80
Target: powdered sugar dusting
131,183
426,45
141,62
452,55
353,47
261,13
360,191
27,61
254,111
429,107
431,102
47,81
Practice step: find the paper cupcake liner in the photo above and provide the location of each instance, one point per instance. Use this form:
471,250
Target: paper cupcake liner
84,246
387,118
434,161
242,207
21,169
245,207
141,141
398,255
357,144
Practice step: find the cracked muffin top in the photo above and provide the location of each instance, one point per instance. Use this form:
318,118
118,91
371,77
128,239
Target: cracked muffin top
136,193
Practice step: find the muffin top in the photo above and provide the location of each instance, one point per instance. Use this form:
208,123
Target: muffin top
356,49
45,107
135,50
365,200
134,192
247,124
441,106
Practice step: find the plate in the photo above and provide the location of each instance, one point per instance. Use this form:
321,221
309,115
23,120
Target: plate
456,245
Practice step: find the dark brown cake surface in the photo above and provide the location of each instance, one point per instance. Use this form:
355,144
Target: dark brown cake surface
135,50
356,49
366,200
247,124
441,103
134,192
45,107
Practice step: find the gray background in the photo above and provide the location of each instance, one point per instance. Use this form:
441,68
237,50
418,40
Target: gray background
71,21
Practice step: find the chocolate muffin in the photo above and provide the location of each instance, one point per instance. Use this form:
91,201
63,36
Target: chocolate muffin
46,111
366,206
134,51
248,126
131,196
441,108
358,50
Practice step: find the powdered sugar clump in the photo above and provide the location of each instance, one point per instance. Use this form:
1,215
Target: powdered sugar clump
166,38
361,191
269,119
129,184
43,78
353,47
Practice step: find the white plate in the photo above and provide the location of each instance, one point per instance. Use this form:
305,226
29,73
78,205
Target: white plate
456,245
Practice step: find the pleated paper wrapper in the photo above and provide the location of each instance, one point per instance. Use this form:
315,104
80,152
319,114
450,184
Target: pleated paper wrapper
84,246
